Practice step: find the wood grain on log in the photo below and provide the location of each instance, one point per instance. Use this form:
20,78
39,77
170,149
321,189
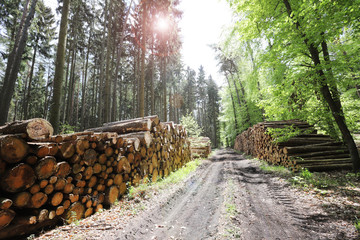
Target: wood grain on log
6,216
46,167
35,129
13,149
18,178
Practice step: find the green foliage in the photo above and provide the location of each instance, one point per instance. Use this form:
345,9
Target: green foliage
357,224
284,134
173,178
306,174
275,65
72,218
278,170
191,125
179,175
66,128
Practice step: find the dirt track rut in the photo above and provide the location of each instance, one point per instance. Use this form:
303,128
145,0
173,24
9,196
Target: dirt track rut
263,208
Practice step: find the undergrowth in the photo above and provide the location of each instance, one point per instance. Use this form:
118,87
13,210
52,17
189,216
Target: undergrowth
312,180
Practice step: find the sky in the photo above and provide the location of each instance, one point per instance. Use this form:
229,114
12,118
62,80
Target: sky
202,24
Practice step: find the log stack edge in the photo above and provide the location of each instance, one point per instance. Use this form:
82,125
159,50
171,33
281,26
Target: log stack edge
46,178
308,149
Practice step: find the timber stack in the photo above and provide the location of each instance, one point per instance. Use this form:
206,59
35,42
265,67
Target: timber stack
200,147
46,179
305,149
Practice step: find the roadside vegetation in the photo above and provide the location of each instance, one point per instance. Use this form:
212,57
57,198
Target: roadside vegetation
163,183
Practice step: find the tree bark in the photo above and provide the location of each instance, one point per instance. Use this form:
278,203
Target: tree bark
233,105
107,67
7,90
28,90
35,129
332,100
59,68
143,50
83,99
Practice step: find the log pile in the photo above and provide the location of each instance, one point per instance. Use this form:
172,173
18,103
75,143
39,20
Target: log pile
306,149
200,147
46,178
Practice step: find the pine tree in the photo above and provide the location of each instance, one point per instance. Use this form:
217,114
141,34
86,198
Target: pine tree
59,69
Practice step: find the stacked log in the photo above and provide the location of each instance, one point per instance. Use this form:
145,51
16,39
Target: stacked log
316,152
46,178
200,147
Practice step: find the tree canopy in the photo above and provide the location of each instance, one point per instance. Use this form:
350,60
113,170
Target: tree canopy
298,59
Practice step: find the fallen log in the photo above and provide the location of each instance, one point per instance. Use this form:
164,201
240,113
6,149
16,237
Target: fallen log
312,148
126,127
154,121
36,129
24,227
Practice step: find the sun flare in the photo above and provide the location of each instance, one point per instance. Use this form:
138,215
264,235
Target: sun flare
162,24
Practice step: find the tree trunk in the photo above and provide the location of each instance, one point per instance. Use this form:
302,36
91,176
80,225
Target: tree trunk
7,90
357,90
143,50
85,83
28,90
46,104
101,65
152,93
333,101
163,80
107,69
114,107
71,90
12,54
59,68
233,105
65,87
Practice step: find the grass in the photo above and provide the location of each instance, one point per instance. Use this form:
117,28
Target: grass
231,230
278,170
307,179
179,175
173,178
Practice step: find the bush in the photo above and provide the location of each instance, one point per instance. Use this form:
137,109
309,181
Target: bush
191,126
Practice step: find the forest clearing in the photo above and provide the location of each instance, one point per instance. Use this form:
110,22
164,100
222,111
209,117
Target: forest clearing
179,119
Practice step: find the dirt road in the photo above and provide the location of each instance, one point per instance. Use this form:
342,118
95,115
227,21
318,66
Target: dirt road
228,197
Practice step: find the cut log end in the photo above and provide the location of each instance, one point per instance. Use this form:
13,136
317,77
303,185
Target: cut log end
18,178
13,149
6,216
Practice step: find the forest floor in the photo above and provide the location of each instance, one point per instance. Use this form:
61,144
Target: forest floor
227,197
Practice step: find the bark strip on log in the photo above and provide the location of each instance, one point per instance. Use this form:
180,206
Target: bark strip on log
36,129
